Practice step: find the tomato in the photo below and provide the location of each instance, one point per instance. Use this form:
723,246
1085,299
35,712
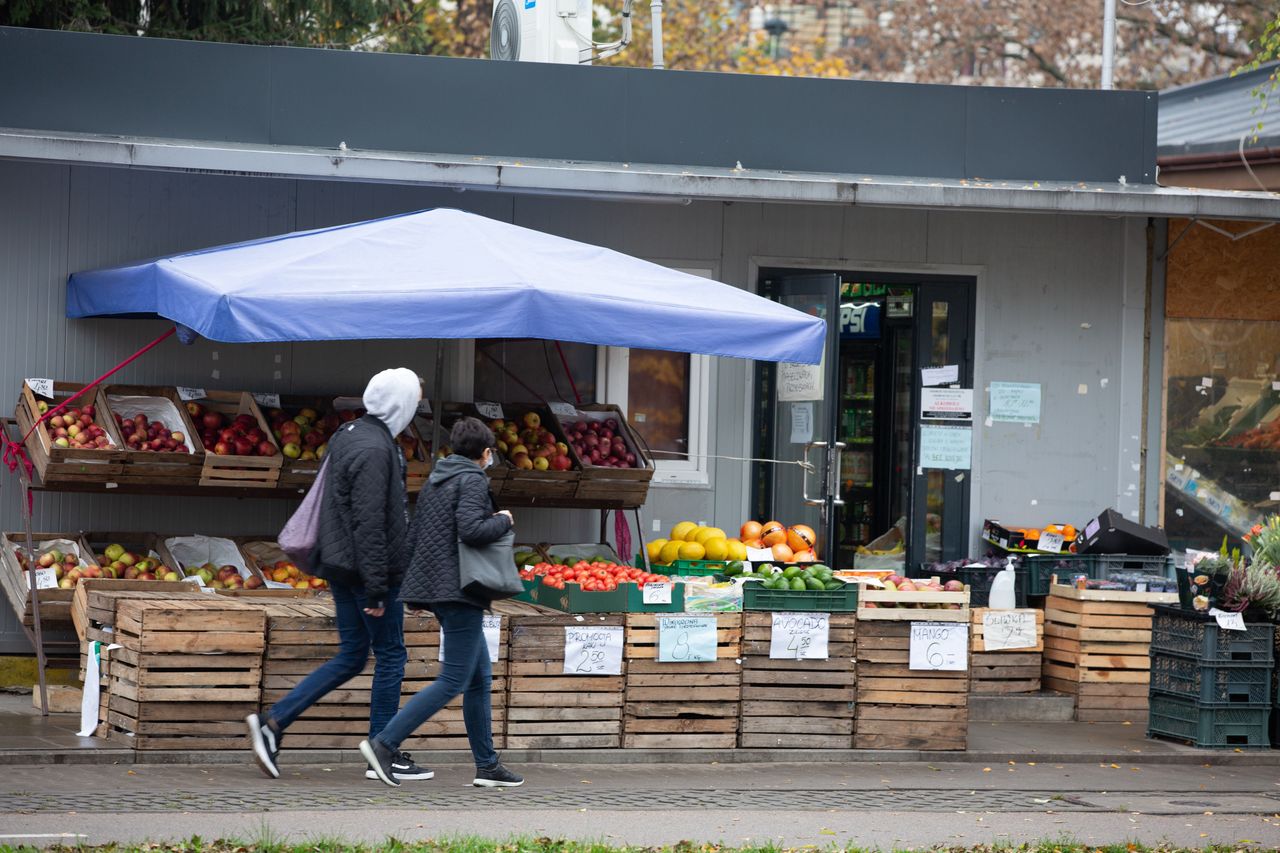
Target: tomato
610,585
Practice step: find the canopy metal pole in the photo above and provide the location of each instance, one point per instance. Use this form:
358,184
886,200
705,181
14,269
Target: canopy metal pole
41,662
437,401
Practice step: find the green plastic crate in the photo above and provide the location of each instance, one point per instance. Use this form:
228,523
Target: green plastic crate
1194,635
1211,684
635,600
755,597
693,568
1209,728
1040,568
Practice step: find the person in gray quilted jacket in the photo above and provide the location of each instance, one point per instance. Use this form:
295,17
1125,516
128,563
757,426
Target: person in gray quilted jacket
455,506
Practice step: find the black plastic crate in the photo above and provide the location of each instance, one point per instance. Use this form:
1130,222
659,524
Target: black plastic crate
1041,568
978,579
1197,635
1211,684
1229,727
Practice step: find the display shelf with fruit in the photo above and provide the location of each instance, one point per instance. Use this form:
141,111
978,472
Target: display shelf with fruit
239,447
693,705
901,599
703,549
1097,648
134,556
902,708
160,442
798,588
188,673
82,445
264,556
798,704
613,458
540,463
1026,540
60,559
587,586
93,605
549,709
217,562
1004,671
424,423
302,425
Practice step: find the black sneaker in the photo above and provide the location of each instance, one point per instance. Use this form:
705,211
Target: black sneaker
380,761
266,745
403,768
496,776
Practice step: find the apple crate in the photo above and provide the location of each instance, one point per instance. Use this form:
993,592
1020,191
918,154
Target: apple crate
261,554
798,704
151,467
146,545
1004,671
895,606
65,464
55,602
627,486
295,473
902,708
672,705
188,672
424,423
244,470
530,482
188,553
549,709
93,602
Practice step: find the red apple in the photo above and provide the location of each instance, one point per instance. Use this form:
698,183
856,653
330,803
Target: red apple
266,448
212,420
244,447
222,448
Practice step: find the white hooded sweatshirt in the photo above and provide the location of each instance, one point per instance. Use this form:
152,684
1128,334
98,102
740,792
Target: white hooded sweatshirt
392,397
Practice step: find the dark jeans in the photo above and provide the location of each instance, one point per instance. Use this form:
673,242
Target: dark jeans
466,670
357,634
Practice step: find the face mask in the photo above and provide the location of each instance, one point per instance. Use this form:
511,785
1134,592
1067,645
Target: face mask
488,459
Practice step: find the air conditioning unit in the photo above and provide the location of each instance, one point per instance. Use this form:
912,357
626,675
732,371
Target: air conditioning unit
542,31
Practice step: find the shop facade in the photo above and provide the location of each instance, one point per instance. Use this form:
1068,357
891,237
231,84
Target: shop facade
1045,282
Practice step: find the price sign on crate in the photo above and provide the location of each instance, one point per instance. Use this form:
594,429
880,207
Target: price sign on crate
564,410
1051,542
800,636
271,401
686,639
1009,629
492,411
46,579
939,646
593,650
43,387
657,593
492,637
185,394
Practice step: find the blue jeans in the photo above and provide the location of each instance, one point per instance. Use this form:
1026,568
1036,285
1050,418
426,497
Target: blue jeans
357,633
466,670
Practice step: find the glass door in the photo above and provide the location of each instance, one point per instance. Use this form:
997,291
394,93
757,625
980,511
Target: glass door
802,487
940,495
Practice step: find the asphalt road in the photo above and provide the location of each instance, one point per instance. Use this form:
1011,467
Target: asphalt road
885,805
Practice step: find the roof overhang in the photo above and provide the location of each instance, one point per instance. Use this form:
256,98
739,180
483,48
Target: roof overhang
635,182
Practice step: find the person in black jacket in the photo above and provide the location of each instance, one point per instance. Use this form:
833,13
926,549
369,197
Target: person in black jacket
361,550
454,506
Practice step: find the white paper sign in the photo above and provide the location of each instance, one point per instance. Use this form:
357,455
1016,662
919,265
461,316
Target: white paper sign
185,393
564,410
944,375
1008,629
686,639
800,636
801,423
798,382
1051,542
424,406
1228,621
951,404
492,411
759,555
593,650
199,581
492,636
271,401
43,387
939,646
657,593
46,579
1015,402
948,447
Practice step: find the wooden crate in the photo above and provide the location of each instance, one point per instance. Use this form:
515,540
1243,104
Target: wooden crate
1098,649
188,672
901,708
55,604
682,705
67,465
299,473
894,606
800,704
523,483
1004,671
232,469
151,468
547,709
93,601
627,486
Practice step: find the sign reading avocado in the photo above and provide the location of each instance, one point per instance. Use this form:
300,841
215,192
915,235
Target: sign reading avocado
799,636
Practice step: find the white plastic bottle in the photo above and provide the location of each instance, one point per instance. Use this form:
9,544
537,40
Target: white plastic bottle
1003,595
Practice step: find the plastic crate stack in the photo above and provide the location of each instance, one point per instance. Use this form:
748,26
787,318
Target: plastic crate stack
1210,687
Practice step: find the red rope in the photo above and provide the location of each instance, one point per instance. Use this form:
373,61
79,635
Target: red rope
569,373
15,453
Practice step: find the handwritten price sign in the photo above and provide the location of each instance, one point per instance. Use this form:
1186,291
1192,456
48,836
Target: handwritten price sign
593,651
800,636
686,639
939,646
1009,629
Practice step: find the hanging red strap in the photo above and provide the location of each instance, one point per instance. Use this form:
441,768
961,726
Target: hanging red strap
14,453
622,533
567,372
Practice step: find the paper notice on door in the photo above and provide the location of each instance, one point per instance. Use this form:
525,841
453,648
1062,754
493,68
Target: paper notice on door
947,447
800,381
947,404
801,423
944,375
1015,402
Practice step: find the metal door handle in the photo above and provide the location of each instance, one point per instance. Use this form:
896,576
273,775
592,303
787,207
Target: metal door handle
804,479
836,468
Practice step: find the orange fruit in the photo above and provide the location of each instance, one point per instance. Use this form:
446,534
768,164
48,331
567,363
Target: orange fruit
782,553
753,543
801,538
773,533
750,530
1031,533
804,557
1069,531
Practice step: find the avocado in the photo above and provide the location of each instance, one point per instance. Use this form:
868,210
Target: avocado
814,583
791,572
798,585
734,569
833,585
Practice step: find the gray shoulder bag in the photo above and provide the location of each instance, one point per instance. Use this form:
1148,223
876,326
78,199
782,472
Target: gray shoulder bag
489,571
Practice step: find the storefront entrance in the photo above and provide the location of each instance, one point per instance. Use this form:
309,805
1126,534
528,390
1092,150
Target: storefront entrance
856,418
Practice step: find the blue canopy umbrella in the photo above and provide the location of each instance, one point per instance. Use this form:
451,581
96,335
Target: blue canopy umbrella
444,274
